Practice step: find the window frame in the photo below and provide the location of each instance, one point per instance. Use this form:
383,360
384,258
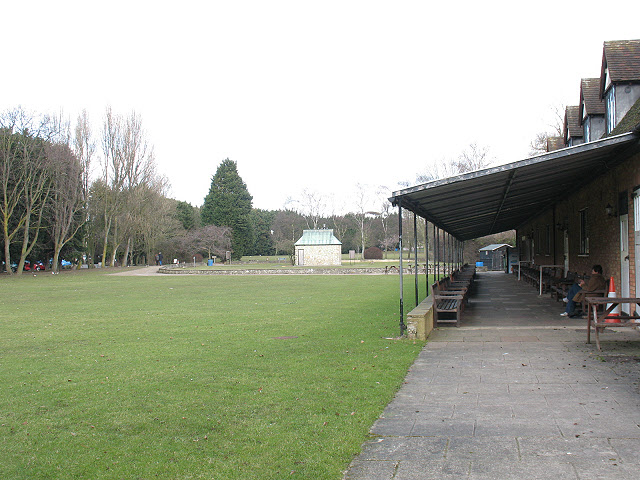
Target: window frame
584,232
610,103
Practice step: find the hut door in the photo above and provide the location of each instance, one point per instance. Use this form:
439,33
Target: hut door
300,257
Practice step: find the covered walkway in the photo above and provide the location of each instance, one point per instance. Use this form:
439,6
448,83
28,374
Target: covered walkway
514,393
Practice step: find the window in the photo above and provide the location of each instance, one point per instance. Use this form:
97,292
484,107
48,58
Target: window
610,99
586,124
548,243
584,232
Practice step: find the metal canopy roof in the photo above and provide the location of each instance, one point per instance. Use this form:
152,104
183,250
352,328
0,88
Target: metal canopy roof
502,198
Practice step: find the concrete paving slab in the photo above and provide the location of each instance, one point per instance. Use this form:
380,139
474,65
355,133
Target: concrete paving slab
512,395
411,448
589,471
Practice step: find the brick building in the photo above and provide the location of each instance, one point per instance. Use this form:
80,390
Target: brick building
599,221
575,206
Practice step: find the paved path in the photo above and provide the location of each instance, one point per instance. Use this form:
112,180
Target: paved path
151,271
516,396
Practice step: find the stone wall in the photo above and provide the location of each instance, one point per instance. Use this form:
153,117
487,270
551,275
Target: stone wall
318,255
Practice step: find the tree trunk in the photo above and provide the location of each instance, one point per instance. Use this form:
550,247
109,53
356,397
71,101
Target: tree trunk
125,258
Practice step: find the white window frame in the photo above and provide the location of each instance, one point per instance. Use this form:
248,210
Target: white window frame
587,129
610,103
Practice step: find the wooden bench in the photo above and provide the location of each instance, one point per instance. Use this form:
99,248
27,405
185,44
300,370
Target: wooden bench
447,306
550,275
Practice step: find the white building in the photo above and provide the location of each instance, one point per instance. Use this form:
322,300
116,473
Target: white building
318,247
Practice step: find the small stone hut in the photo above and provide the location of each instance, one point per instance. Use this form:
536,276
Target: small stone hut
318,248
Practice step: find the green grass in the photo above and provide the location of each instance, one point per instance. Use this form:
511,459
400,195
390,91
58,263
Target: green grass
183,376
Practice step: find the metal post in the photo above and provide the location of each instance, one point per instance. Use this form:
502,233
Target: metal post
415,253
451,254
426,253
402,325
445,253
437,233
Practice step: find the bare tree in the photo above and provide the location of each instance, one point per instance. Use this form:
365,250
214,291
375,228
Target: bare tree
11,185
472,158
211,239
287,228
388,240
84,149
311,205
363,213
68,197
555,129
128,163
24,179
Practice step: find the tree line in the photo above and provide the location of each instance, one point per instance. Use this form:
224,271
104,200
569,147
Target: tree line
96,198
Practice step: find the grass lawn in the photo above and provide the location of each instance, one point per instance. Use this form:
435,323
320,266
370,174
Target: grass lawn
232,377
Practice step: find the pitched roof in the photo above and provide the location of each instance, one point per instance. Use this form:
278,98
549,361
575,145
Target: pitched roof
318,237
500,198
622,59
493,246
590,96
572,124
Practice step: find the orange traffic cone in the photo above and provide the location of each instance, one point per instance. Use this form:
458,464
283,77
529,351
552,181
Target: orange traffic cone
614,316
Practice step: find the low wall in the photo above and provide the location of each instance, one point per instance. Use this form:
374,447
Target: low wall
420,320
171,269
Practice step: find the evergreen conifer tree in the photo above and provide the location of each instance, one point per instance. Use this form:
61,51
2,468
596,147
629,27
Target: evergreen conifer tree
228,204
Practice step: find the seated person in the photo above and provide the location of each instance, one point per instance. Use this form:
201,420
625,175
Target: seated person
579,290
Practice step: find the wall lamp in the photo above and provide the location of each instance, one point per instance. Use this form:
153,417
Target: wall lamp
609,210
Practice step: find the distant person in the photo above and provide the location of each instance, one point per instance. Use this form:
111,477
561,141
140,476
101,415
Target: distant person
579,290
157,259
160,258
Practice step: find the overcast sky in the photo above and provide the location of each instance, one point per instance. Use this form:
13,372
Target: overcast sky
321,95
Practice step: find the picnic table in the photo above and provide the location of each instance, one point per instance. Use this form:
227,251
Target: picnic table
599,319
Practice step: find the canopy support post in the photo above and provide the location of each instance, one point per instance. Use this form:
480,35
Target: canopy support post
426,253
403,327
415,253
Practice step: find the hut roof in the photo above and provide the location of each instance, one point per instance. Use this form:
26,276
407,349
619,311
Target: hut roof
318,237
494,246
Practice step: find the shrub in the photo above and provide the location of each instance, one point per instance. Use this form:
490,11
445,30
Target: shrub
373,253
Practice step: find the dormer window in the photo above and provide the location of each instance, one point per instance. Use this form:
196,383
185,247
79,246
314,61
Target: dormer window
610,105
587,133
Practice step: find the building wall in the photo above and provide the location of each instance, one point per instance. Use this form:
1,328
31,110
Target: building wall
596,127
626,97
318,255
604,230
